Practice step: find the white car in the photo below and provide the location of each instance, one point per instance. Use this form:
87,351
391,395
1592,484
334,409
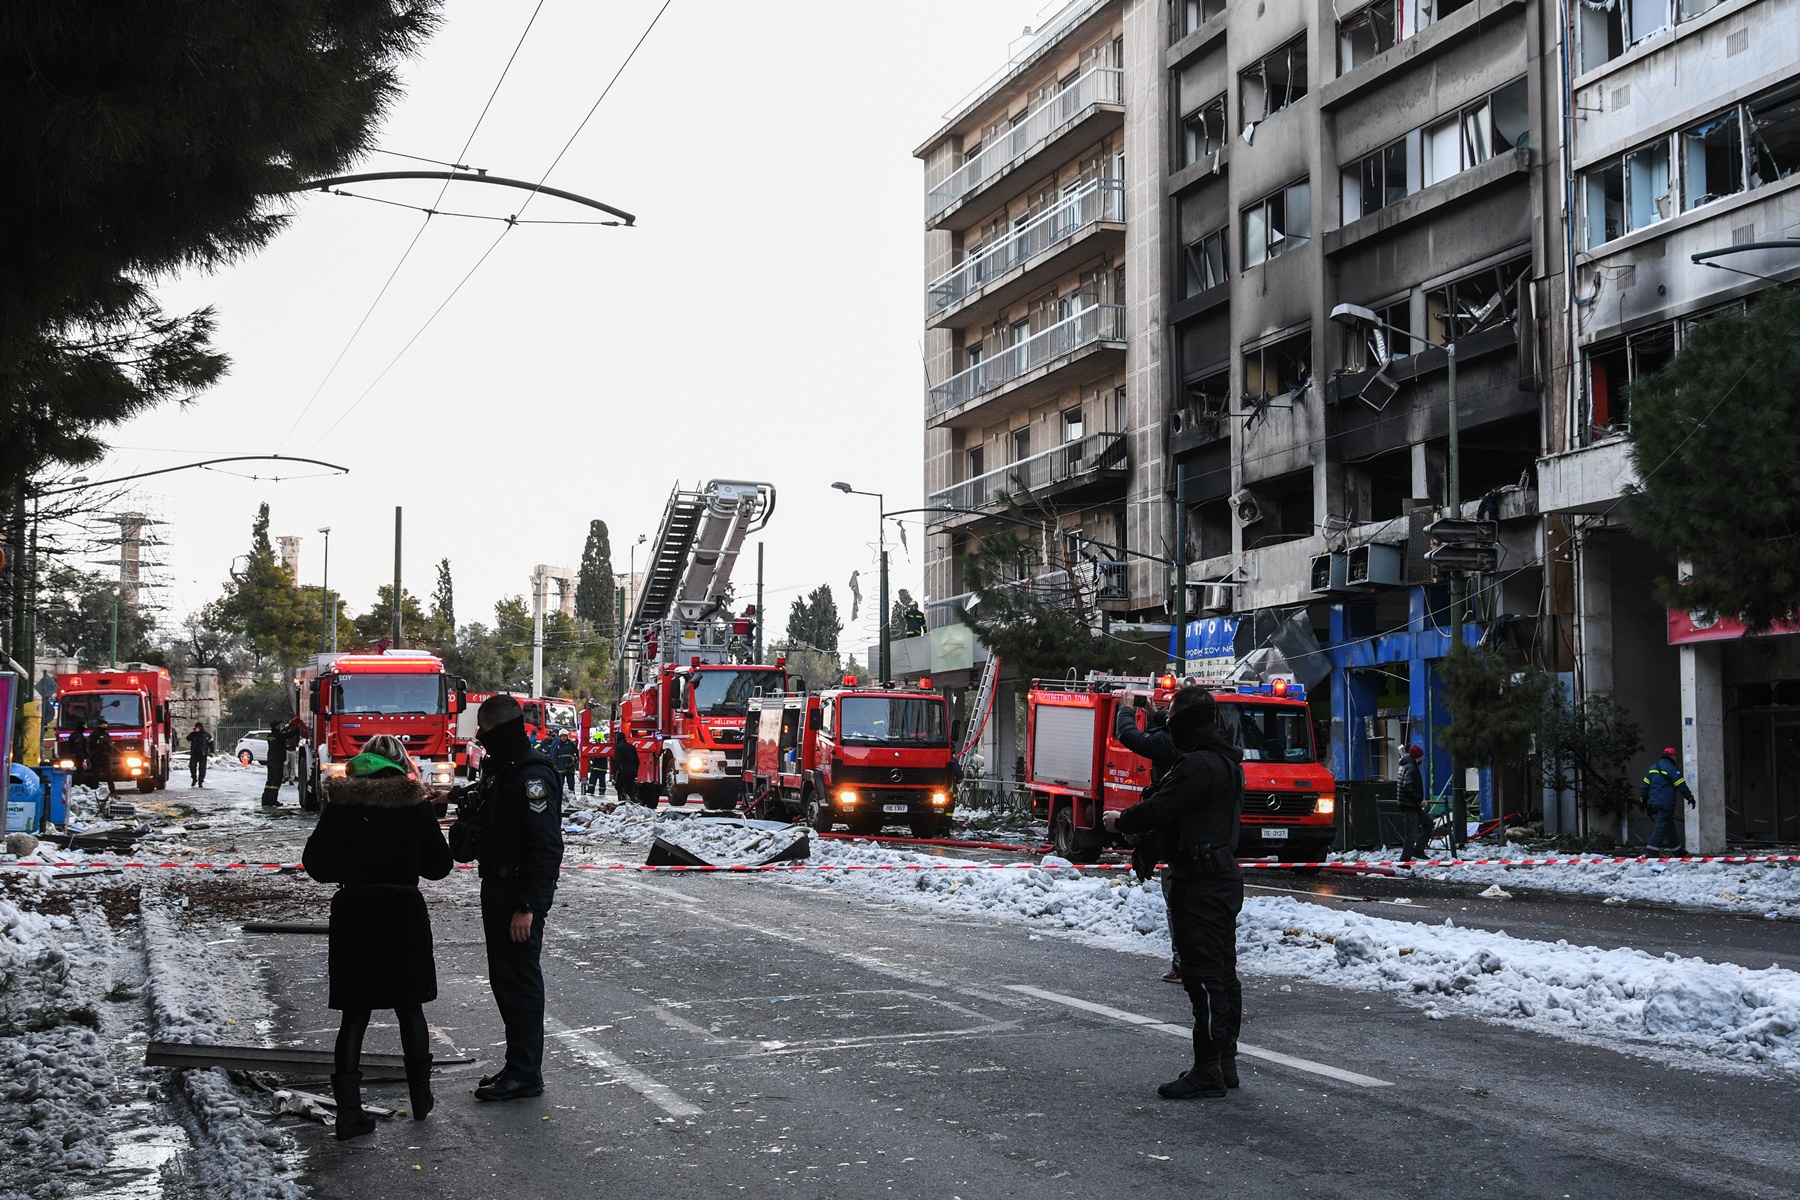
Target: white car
253,747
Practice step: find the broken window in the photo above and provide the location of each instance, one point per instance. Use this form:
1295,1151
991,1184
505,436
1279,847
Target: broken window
1774,128
1603,189
1647,193
1650,350
1370,347
1609,373
1276,376
1187,16
1206,263
1511,113
1687,10
1277,224
1369,31
1602,32
1486,299
1377,180
1644,18
1712,160
1272,83
1205,403
1203,132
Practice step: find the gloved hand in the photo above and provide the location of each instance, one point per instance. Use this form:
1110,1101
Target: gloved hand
1692,803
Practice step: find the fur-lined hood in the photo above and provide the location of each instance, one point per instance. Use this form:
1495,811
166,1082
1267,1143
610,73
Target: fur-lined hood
371,791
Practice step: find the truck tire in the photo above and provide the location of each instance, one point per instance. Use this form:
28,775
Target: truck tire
1066,840
931,827
146,785
818,814
311,794
162,776
670,787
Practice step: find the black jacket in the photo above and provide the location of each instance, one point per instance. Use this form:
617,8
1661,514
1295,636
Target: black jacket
512,827
1153,743
1410,790
624,761
200,743
564,756
376,838
1198,804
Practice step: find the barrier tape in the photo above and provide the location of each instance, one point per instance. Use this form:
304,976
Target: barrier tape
1251,864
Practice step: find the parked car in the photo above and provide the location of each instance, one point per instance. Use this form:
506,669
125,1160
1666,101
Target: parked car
253,747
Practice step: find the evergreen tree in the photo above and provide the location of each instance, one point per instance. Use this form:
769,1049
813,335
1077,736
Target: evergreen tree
141,139
269,611
378,622
1041,630
594,589
813,620
1496,705
512,642
1715,436
76,610
443,598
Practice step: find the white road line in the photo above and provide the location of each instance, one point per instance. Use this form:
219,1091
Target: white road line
661,1095
1244,1048
666,893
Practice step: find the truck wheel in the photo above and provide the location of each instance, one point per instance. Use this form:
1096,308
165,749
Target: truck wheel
932,827
670,788
146,785
247,758
310,793
162,777
818,814
1066,840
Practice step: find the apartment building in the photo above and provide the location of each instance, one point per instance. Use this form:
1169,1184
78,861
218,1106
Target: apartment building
1684,140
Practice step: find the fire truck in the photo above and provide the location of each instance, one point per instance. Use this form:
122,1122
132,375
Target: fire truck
594,739
133,699
1077,770
346,699
692,678
542,713
864,756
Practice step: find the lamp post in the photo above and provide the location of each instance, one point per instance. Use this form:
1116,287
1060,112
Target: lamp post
881,543
328,642
1354,316
631,578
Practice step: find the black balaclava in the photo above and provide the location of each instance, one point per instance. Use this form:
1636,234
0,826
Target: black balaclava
507,741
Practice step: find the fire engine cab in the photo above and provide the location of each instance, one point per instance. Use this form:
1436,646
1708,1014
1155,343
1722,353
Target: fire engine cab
864,756
346,699
133,700
1077,770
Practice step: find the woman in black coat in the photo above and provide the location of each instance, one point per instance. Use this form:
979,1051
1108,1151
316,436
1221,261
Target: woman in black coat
377,836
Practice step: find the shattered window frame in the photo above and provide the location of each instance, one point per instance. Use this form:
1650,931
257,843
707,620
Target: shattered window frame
1779,111
1203,132
1713,160
1278,223
1256,94
1375,175
1370,32
1187,16
1474,303
1208,263
1286,363
1370,347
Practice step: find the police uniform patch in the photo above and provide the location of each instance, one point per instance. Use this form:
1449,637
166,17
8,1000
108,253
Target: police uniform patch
536,790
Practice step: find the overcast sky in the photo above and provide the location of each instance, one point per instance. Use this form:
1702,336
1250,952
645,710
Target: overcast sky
763,321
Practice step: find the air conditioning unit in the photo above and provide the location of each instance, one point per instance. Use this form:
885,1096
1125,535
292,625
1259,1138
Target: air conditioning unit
1246,506
1330,573
1372,565
1215,598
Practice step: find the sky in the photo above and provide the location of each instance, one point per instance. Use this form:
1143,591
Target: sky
762,321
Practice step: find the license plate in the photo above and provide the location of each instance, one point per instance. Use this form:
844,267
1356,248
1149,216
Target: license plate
1277,835
901,808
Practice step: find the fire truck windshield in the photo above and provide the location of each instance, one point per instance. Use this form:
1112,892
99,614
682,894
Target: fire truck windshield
390,694
125,709
1269,733
883,720
727,693
560,717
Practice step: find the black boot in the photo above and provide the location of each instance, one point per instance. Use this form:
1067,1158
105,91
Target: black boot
1203,1082
352,1121
1228,1064
418,1083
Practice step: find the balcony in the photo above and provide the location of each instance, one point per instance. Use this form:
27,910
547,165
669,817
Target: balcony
1096,93
1074,471
1001,273
1090,332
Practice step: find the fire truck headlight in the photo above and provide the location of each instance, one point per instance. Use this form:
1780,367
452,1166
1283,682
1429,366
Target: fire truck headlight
443,776
696,764
132,760
334,770
1326,804
940,799
66,764
846,797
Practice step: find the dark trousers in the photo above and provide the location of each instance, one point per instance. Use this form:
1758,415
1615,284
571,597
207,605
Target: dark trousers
197,769
568,781
1414,819
517,978
627,789
1203,925
272,782
1669,833
415,1039
595,782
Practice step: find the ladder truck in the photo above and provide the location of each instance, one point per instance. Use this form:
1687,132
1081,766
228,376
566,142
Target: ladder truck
692,677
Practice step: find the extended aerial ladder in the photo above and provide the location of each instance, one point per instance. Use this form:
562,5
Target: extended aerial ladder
677,614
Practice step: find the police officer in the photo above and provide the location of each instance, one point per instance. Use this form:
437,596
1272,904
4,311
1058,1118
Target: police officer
1154,743
1196,812
566,757
512,826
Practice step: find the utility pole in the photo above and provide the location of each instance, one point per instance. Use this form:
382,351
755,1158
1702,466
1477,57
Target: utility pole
537,633
394,623
1181,619
887,667
1459,817
619,643
112,658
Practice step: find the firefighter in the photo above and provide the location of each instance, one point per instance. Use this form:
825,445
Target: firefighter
200,744
279,742
912,620
512,826
1197,811
1662,791
624,768
595,779
565,756
1154,743
100,757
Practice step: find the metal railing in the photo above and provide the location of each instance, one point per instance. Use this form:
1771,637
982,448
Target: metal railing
1071,460
1101,200
1109,581
1102,85
1096,323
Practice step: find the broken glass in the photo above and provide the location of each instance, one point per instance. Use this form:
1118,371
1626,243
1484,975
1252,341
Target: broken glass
1712,160
1774,137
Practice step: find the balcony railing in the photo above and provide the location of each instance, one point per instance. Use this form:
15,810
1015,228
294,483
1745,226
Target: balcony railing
1101,200
1096,323
1071,460
1102,85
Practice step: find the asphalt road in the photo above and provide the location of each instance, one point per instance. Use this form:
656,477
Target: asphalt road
749,1036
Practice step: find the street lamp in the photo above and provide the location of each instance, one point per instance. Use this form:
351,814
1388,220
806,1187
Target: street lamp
886,672
329,641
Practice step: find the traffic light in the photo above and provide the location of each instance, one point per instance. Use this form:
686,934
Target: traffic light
1460,546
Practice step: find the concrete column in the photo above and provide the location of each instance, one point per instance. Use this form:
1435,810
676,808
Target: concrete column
1703,745
1429,466
1593,575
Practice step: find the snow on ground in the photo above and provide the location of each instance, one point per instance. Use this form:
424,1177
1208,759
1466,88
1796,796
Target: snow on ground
1771,889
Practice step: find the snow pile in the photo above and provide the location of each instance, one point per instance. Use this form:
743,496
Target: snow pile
729,842
628,823
199,995
1719,1009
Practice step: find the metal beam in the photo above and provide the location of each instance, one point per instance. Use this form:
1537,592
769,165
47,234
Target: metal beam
321,185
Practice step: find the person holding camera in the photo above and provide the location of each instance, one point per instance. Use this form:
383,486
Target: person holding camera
1154,743
1195,812
511,825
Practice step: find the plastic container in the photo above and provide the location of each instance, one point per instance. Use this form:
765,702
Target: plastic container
56,794
24,800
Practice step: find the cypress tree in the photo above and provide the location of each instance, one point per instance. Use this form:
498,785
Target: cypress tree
594,599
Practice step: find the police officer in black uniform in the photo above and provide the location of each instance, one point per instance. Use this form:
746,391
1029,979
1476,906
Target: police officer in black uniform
1154,743
512,826
1195,812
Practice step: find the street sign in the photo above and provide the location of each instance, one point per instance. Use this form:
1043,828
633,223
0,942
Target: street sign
46,687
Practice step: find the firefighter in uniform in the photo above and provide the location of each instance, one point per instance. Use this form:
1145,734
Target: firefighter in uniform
512,826
1196,812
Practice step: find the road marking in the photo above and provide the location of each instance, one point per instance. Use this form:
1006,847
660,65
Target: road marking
667,893
661,1095
1244,1048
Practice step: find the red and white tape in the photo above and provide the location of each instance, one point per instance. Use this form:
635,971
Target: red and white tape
1252,864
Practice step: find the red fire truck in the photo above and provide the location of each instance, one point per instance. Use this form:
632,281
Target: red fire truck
594,739
1077,770
688,727
865,756
542,713
133,699
346,699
